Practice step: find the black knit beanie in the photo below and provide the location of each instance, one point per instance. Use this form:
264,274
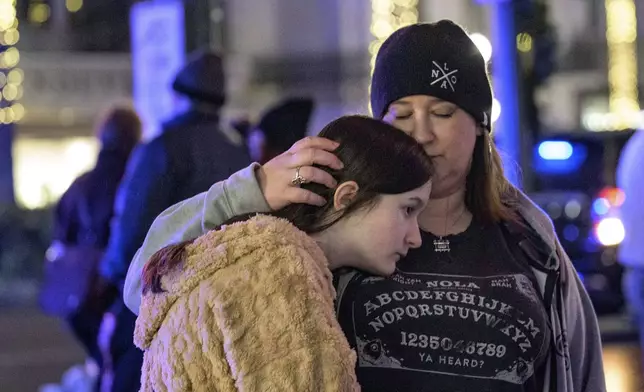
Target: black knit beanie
202,78
437,59
287,122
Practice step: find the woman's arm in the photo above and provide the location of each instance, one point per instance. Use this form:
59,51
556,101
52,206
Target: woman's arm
189,219
253,189
583,336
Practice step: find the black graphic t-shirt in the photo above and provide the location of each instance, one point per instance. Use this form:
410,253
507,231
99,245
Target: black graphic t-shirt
468,320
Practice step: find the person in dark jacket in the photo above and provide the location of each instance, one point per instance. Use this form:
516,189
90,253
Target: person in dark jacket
82,217
279,128
192,152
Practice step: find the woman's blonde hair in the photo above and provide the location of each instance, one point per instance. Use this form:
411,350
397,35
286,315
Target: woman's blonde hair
489,194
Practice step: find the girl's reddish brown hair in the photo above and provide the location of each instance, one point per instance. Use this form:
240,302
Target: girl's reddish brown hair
161,263
377,156
168,258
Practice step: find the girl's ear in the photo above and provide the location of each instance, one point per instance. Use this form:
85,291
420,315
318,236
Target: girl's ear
344,195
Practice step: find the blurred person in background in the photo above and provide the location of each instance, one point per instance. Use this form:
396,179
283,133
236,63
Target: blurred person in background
630,178
192,152
71,287
279,128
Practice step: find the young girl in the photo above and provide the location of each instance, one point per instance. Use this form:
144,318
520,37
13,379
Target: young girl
249,307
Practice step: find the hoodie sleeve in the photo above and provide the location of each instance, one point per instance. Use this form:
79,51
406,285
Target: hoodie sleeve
584,339
189,219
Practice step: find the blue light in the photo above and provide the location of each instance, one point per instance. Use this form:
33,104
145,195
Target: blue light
571,233
601,206
558,157
555,150
506,89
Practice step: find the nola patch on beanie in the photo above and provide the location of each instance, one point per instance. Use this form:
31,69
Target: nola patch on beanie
437,59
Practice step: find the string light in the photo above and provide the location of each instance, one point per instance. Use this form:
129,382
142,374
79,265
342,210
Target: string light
73,5
483,44
39,13
524,42
388,16
18,111
9,37
7,14
621,36
11,77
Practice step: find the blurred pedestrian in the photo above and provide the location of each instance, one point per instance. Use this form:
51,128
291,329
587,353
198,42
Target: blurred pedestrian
279,128
630,178
192,152
71,288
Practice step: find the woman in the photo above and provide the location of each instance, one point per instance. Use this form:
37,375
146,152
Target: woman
249,307
490,301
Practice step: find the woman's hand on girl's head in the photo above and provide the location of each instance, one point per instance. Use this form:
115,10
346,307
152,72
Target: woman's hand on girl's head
275,176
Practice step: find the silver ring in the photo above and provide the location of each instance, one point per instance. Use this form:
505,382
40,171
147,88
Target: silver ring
298,179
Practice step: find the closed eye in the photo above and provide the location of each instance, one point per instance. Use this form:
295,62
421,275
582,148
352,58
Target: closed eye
411,210
444,114
413,206
403,116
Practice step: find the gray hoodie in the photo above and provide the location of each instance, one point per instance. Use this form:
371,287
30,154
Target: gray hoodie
576,355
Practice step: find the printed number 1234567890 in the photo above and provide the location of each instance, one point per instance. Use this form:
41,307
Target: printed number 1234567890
449,345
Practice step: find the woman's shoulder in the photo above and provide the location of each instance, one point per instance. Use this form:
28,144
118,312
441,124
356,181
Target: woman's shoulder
534,225
538,220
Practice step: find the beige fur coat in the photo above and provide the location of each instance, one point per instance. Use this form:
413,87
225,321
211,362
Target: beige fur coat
249,309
